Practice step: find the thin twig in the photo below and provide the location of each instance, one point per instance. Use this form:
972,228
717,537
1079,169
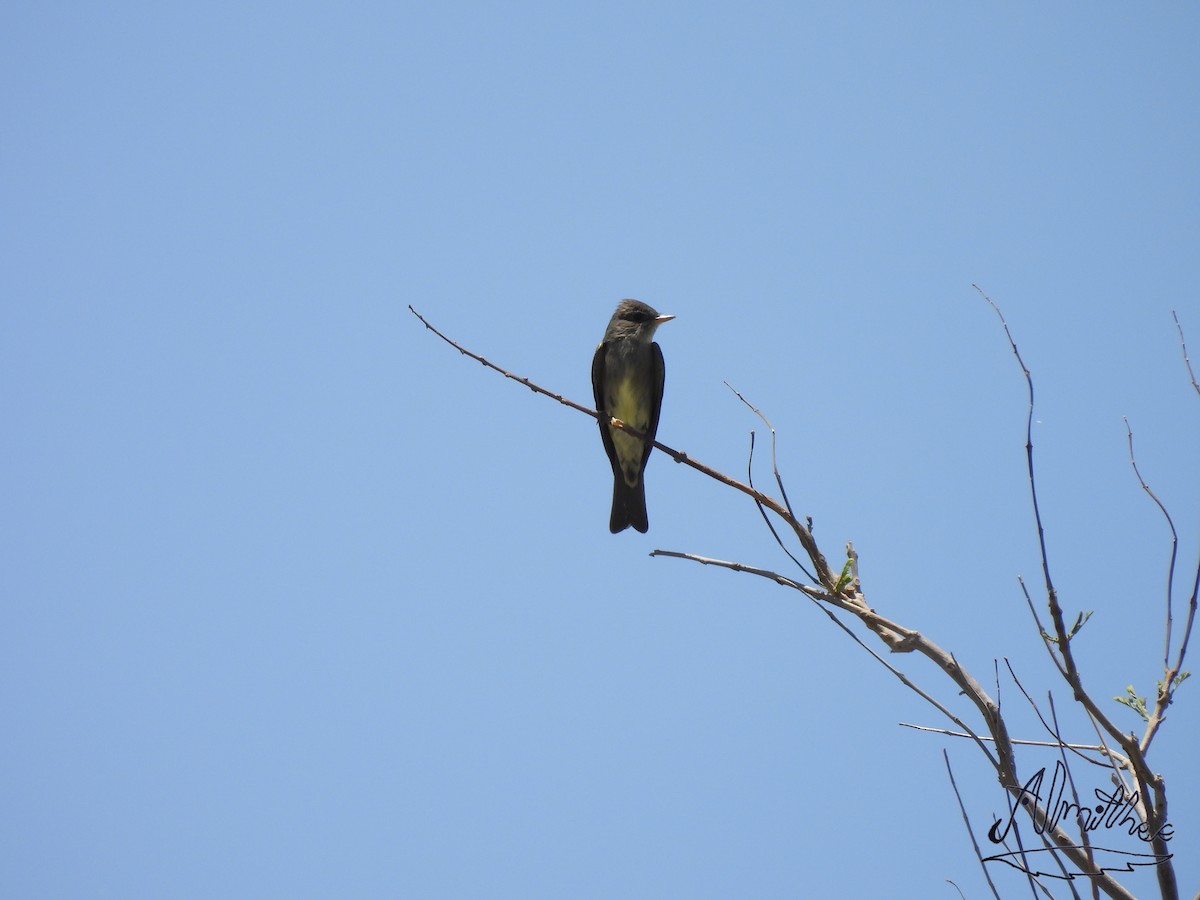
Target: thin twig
970,831
774,461
1084,838
869,617
1028,446
741,567
853,606
1030,878
1072,674
1121,767
1183,344
1187,630
1049,644
1069,668
763,512
1053,732
1173,672
912,686
1023,742
1174,553
518,378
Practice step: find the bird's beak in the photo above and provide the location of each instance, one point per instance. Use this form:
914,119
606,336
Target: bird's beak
662,319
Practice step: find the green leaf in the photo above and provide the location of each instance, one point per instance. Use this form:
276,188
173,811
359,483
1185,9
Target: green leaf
846,577
1080,621
1134,702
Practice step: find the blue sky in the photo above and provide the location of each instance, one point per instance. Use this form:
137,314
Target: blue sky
298,602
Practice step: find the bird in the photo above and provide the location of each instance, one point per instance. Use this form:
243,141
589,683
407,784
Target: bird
627,380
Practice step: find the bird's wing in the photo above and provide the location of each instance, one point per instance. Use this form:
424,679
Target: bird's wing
660,379
601,403
598,376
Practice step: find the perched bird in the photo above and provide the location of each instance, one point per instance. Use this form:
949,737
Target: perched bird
627,379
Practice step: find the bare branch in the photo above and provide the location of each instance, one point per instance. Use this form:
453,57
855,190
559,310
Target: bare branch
1046,641
1084,838
1023,742
1053,732
853,605
1146,780
970,830
1028,445
1183,344
911,640
774,462
1170,565
1072,674
1166,688
767,519
740,567
1174,671
1187,631
521,380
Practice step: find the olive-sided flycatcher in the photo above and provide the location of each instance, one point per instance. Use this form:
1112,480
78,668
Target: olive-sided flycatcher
627,379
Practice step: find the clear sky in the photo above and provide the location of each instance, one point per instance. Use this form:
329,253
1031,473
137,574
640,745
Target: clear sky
297,602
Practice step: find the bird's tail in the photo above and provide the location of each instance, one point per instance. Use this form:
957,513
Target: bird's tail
628,507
